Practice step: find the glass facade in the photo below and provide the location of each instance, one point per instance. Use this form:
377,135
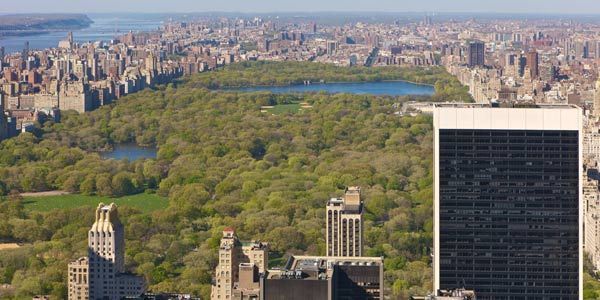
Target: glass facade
509,210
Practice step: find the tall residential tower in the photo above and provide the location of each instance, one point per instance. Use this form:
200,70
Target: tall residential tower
507,214
345,225
101,274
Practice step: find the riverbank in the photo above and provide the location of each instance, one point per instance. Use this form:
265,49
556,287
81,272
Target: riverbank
31,24
104,27
9,34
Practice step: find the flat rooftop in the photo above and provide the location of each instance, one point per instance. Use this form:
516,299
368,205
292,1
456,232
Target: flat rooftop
485,116
319,267
315,262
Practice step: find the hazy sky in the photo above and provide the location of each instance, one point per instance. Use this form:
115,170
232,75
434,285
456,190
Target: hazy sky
512,6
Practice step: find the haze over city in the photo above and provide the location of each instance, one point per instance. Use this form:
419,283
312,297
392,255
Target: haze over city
179,6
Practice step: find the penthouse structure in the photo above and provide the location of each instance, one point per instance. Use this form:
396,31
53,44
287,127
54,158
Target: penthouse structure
507,215
101,275
344,224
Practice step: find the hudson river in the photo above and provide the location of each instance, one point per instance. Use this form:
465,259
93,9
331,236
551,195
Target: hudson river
104,28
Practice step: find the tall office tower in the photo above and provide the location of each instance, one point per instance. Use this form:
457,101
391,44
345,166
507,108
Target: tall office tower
507,214
101,275
151,63
522,65
533,63
427,20
476,54
236,256
586,49
579,50
517,37
25,52
345,225
568,50
510,59
332,47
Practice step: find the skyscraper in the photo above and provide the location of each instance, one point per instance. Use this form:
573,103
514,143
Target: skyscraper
533,63
101,274
507,213
25,52
476,54
344,224
332,47
580,50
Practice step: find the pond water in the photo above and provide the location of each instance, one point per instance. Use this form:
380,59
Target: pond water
391,88
129,151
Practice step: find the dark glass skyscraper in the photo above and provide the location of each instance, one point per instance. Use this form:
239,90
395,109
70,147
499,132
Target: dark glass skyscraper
476,54
533,62
508,222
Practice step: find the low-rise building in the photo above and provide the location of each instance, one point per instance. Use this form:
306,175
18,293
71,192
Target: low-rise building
326,278
239,264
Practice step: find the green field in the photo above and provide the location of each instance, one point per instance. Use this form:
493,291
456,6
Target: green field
143,202
285,108
279,109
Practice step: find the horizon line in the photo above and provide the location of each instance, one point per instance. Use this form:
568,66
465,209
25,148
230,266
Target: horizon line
428,12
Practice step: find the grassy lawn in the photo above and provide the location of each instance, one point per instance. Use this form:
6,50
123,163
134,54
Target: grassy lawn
143,202
285,108
279,109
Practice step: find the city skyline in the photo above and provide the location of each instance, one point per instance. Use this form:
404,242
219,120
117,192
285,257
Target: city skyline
584,7
300,155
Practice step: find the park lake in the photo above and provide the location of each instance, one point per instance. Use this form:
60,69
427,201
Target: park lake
390,88
129,151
